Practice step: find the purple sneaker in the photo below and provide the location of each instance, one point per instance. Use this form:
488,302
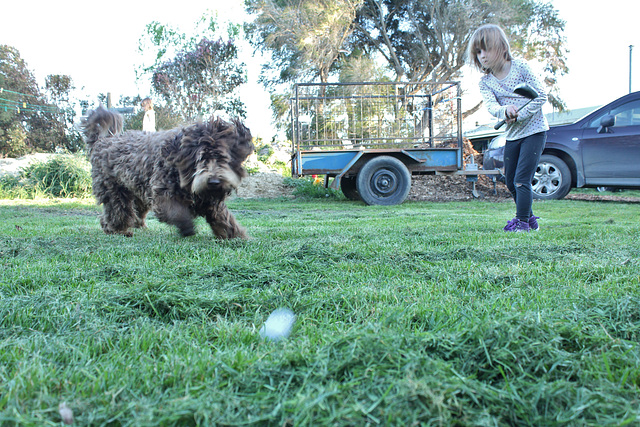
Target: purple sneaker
533,222
519,226
510,224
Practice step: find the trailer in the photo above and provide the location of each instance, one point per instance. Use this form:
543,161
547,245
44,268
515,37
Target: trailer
368,139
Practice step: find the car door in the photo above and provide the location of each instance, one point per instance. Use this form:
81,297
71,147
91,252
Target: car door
611,155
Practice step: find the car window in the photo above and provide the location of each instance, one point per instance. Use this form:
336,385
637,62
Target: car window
626,115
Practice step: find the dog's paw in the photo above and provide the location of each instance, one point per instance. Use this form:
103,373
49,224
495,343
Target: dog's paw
187,232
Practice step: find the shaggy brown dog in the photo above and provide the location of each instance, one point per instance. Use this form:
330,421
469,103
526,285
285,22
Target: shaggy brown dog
179,174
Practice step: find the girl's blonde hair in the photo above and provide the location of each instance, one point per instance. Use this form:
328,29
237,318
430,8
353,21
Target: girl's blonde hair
147,103
492,39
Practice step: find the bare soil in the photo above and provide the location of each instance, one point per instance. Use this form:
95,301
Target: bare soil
268,185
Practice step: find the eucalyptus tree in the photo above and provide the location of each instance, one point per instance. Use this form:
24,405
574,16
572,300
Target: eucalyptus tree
29,121
426,40
305,38
195,75
415,40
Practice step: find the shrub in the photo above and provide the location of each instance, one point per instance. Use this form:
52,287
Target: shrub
306,188
60,176
10,188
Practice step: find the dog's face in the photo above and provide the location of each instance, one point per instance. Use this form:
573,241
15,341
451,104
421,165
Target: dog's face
214,174
209,156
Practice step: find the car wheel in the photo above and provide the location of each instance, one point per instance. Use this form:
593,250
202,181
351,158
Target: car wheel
552,179
383,180
348,188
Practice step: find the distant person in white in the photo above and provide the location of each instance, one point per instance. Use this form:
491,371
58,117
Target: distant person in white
149,119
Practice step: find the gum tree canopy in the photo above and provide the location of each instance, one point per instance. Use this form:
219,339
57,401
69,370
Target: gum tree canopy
196,75
28,120
418,40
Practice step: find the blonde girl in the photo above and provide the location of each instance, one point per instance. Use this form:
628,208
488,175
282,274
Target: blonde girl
526,129
149,119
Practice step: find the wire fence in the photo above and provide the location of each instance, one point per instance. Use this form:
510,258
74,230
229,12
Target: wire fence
16,101
375,115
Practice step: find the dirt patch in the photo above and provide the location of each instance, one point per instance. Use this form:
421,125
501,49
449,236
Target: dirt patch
439,188
264,185
448,188
602,198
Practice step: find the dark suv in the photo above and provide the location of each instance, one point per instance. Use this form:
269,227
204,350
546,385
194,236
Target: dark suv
600,150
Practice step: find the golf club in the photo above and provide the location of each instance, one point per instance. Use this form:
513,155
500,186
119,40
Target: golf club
525,90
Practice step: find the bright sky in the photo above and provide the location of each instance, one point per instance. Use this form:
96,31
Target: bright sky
96,44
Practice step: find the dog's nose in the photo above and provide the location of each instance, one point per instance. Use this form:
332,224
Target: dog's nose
214,181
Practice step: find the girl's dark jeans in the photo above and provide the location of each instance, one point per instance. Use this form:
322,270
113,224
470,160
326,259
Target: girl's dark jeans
521,158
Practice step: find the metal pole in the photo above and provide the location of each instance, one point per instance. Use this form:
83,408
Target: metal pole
630,56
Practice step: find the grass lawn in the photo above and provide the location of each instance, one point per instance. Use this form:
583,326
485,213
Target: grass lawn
418,314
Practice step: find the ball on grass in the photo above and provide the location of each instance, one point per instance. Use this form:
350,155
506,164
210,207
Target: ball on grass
278,325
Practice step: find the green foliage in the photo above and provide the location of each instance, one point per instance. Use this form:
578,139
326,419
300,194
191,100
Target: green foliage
60,176
309,188
11,188
304,38
30,121
414,40
195,75
202,80
418,314
13,140
59,87
166,118
264,151
267,156
428,39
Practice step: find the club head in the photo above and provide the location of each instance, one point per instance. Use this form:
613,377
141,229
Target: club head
525,90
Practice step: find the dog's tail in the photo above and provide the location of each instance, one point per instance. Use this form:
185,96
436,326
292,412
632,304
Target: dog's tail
100,123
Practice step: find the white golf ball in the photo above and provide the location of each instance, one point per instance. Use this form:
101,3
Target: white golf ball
278,325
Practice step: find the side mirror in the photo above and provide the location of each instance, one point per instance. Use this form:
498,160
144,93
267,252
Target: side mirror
605,123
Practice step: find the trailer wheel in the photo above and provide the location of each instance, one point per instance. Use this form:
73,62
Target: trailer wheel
383,180
348,188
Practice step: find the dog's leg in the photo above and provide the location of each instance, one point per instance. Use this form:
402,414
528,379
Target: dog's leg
172,212
118,214
117,218
223,223
141,213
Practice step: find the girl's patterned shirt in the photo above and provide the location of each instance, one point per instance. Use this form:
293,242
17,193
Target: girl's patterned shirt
497,94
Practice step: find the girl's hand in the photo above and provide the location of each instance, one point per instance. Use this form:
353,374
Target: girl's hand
512,113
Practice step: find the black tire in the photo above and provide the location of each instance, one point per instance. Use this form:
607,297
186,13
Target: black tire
348,188
552,179
383,180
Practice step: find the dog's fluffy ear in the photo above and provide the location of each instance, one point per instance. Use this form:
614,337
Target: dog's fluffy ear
171,148
177,155
244,145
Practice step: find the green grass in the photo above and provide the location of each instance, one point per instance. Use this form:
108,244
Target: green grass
418,314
